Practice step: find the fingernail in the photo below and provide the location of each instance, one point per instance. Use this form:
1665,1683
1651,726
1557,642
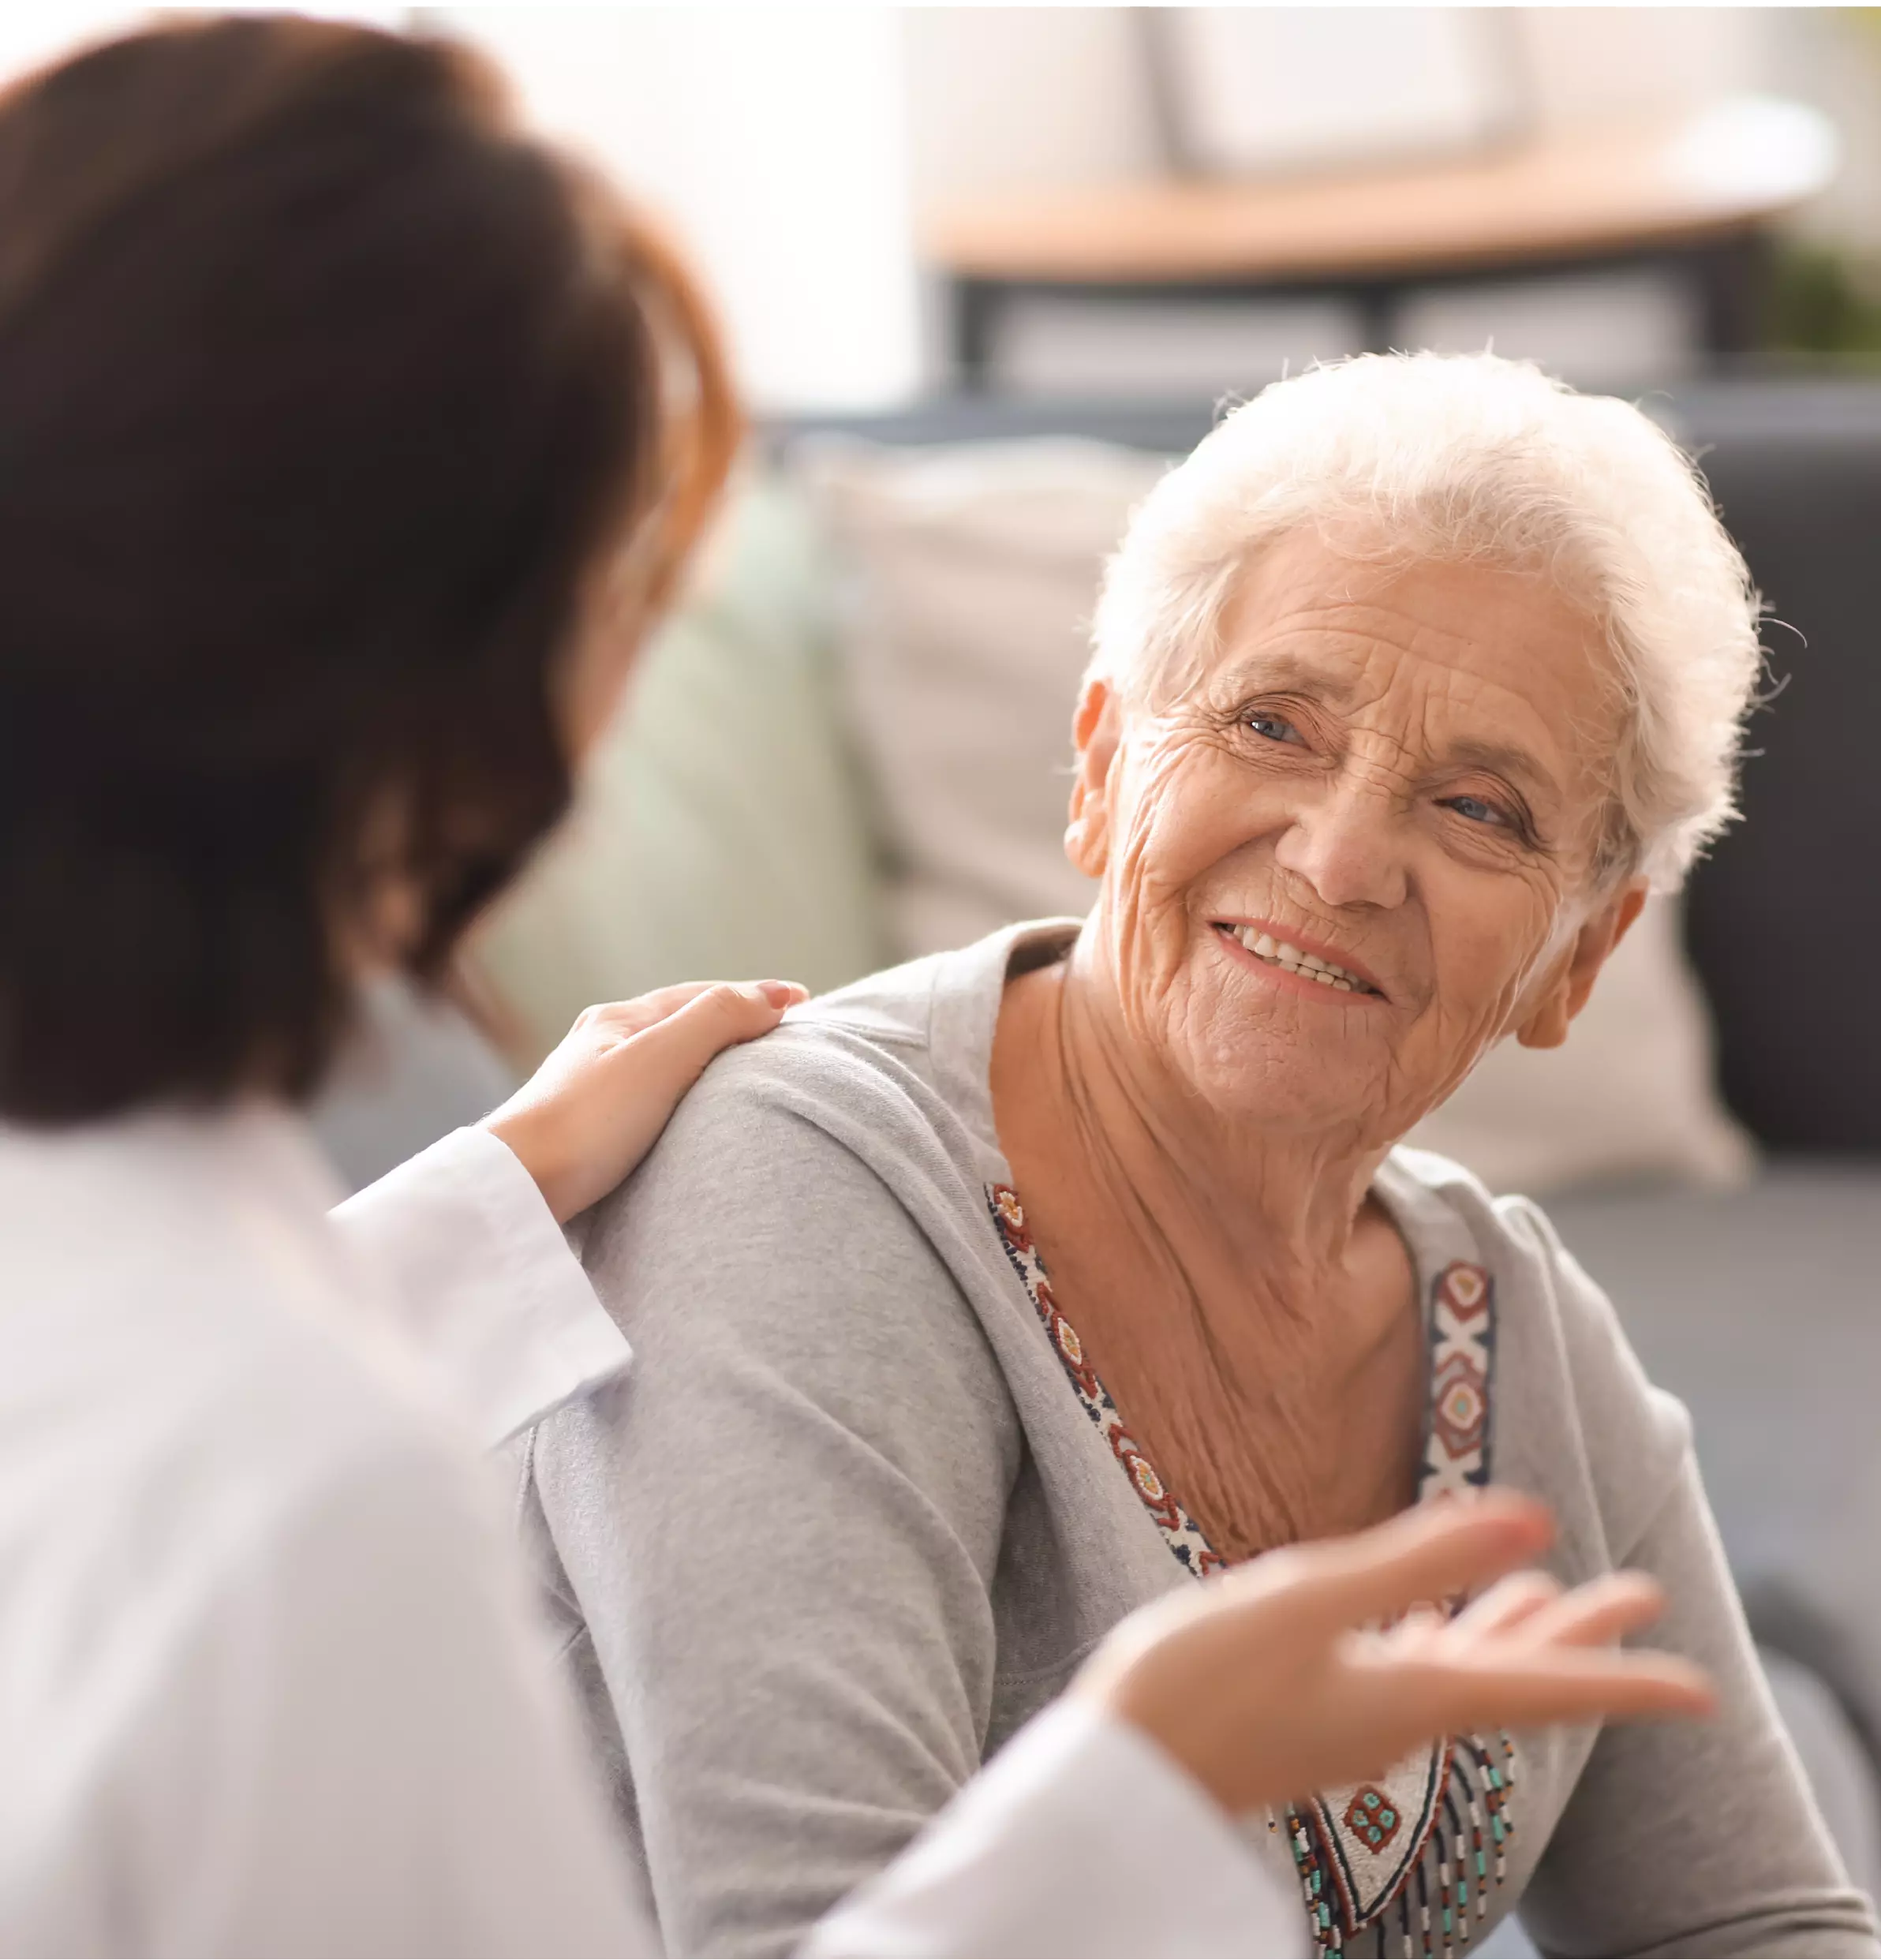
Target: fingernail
782,994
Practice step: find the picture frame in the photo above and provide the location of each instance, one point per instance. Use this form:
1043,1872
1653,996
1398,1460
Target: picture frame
1249,92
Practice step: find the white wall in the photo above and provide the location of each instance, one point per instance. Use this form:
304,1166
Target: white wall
1025,97
775,139
1587,64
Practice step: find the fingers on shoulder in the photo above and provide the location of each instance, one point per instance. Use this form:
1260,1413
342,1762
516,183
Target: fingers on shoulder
642,1010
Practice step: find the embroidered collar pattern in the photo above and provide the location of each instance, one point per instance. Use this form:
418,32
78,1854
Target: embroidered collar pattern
1416,1853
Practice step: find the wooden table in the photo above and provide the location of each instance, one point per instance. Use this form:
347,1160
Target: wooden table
1696,192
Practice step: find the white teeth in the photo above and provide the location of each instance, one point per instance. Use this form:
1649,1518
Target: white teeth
1280,952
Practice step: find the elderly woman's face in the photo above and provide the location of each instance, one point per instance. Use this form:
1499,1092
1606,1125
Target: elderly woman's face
1390,779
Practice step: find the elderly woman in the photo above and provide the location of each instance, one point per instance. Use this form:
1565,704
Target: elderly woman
1079,1262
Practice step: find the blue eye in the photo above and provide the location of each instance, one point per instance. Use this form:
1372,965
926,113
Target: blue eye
1476,810
1273,726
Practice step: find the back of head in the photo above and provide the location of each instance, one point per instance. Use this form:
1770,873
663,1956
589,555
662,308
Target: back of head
322,395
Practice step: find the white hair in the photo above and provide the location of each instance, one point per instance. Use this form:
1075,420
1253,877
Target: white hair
1472,457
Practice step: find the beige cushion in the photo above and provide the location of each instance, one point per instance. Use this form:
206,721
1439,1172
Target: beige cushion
1630,1095
720,832
968,576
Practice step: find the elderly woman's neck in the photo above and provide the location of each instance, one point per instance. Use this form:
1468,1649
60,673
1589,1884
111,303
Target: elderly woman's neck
1075,1089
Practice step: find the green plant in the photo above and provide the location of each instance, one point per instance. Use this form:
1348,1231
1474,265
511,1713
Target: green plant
1822,300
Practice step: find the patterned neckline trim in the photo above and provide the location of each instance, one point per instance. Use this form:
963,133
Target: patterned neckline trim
1354,1856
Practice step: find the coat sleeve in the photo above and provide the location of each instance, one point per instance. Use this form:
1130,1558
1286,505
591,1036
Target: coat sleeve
1081,1837
359,1746
484,1286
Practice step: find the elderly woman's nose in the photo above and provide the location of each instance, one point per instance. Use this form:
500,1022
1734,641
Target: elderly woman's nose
1346,849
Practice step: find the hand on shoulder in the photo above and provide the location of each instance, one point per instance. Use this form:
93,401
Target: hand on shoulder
598,1103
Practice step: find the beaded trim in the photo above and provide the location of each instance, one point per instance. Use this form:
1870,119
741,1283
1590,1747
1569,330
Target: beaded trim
1182,1534
1329,1838
1462,1362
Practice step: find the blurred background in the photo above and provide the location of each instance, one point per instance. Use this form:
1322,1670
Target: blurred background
1079,200
986,272
1169,199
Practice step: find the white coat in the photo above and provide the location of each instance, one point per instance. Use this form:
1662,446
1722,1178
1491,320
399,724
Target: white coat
271,1676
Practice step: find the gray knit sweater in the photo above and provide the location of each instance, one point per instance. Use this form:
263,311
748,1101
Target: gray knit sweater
857,1510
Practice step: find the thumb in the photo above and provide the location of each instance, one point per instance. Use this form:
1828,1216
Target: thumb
673,1052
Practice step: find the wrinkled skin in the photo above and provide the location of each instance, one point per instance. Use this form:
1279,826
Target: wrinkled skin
1317,778
1402,764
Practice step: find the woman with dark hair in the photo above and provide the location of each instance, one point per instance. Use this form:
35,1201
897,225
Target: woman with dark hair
348,442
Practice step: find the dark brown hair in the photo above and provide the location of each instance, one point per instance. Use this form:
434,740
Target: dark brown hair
326,401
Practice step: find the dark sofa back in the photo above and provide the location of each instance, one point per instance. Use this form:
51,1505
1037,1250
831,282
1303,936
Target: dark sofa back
1784,918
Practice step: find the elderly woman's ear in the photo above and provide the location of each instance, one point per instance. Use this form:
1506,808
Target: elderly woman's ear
1098,729
1567,988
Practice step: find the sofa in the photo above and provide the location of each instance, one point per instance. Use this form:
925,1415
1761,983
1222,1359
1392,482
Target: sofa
741,817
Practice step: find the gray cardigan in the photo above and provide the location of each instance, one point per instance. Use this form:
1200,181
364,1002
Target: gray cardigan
851,1517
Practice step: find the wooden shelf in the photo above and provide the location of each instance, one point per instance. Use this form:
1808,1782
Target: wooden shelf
1576,195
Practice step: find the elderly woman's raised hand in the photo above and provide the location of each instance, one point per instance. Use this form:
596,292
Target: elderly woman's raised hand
597,1105
1265,1685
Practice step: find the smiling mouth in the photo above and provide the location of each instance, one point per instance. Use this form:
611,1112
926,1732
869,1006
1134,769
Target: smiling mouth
1289,959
